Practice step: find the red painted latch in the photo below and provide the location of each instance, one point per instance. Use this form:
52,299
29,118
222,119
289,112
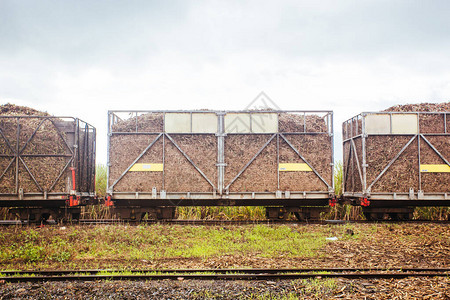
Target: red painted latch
73,178
108,201
365,202
332,202
74,201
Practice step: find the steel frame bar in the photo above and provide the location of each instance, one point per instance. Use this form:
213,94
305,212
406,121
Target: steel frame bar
7,168
331,133
7,141
17,156
31,174
61,136
190,160
348,166
13,154
132,164
301,156
357,162
391,162
32,136
60,174
278,161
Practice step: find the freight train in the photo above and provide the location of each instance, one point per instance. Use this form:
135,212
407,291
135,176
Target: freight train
282,160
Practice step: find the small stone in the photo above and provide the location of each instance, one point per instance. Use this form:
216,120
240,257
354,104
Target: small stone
62,228
180,278
19,291
271,282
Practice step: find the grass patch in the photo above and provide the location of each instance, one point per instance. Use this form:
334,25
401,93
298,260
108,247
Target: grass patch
75,245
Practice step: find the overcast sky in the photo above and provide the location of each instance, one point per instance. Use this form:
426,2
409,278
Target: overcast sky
81,58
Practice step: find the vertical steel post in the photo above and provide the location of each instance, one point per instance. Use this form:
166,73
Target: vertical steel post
110,116
164,151
363,150
17,156
163,158
418,150
418,157
331,133
445,123
220,151
278,161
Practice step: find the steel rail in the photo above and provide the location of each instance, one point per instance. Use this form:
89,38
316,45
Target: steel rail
222,274
223,271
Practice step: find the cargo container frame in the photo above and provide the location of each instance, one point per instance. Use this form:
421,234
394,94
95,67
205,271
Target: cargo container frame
221,196
46,200
366,197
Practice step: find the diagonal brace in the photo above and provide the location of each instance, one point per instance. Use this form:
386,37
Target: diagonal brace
435,150
391,162
357,161
190,160
309,165
251,160
135,161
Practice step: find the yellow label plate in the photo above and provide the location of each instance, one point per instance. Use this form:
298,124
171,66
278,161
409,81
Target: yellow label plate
435,168
294,167
147,168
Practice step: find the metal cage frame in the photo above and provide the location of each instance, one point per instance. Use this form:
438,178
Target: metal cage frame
355,128
221,194
80,160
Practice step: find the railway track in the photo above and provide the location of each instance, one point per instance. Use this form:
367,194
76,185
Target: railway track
214,222
221,274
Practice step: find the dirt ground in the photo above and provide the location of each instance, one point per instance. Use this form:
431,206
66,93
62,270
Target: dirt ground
357,245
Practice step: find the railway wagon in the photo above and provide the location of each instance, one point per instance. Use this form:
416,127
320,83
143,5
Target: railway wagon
47,166
158,160
395,161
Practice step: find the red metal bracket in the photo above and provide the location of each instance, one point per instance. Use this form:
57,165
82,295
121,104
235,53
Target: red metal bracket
74,201
73,178
365,202
108,201
333,202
